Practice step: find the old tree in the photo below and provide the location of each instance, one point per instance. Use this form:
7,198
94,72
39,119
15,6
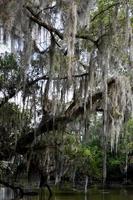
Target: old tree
66,75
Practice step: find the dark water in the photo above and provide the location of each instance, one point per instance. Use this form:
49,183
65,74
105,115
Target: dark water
115,194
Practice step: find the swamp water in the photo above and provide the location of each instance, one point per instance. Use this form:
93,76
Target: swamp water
112,194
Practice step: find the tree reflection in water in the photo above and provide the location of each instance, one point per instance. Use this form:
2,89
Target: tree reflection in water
112,194
7,194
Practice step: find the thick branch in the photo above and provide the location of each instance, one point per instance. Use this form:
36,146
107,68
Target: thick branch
54,123
51,29
5,99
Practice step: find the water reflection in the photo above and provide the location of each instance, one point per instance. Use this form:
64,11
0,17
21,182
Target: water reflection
117,194
6,193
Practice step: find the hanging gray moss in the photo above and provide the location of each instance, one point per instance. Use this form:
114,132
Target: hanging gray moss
120,107
109,47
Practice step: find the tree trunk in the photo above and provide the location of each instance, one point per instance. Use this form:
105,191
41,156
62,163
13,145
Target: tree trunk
73,177
125,170
86,184
57,179
104,165
43,183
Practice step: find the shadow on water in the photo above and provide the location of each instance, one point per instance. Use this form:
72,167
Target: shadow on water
115,194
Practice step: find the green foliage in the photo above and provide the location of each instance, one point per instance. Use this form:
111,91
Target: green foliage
115,160
129,127
8,62
126,144
10,73
11,116
87,160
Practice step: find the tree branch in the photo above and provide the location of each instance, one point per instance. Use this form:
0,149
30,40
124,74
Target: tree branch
51,29
104,10
5,99
54,123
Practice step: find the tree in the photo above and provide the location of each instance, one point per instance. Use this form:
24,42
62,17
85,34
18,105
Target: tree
68,65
